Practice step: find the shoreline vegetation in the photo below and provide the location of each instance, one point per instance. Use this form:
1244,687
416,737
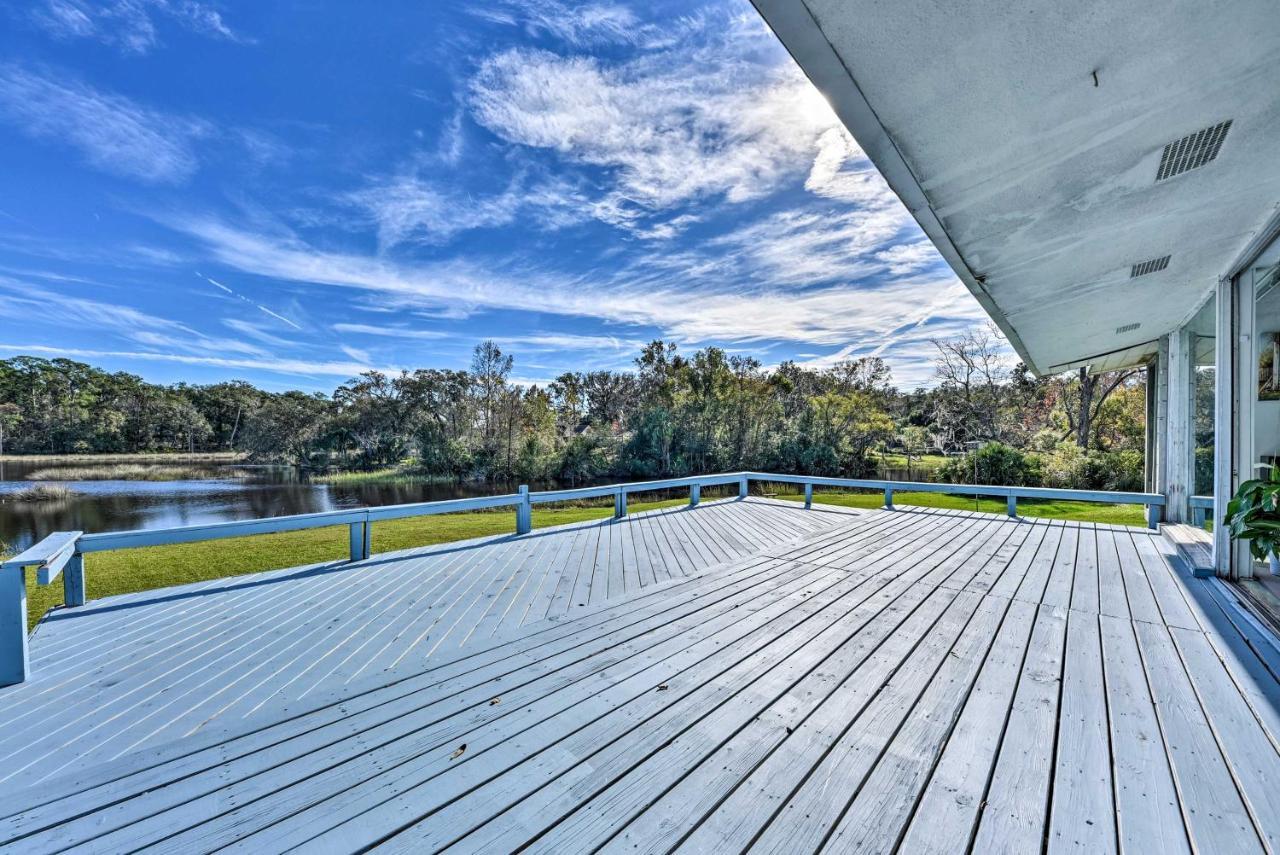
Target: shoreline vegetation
670,414
184,467
40,493
133,570
394,476
208,457
130,472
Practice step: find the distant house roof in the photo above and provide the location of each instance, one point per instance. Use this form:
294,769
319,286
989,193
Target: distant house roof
1089,170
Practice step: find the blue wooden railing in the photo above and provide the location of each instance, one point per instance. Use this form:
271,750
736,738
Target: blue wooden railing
1201,507
62,553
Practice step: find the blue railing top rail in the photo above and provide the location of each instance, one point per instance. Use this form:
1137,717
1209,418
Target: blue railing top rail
50,555
995,490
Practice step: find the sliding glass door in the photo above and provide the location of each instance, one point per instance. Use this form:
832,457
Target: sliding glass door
1256,387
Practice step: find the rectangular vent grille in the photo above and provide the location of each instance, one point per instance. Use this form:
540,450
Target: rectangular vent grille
1192,151
1155,265
1127,328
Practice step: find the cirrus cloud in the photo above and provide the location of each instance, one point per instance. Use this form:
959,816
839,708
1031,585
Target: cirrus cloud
666,133
113,133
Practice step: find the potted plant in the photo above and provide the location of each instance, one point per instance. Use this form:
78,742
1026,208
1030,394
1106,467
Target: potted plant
1254,514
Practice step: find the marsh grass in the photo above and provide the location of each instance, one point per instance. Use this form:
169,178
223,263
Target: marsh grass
158,457
392,477
41,493
129,472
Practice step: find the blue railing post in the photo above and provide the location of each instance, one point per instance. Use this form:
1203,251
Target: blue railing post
361,540
620,504
524,512
1012,506
742,487
15,664
1154,514
888,497
695,495
808,496
73,581
355,540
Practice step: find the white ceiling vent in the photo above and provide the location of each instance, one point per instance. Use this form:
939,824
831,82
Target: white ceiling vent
1155,265
1192,151
1127,328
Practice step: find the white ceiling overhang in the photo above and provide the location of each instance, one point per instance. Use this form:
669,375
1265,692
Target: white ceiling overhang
1027,140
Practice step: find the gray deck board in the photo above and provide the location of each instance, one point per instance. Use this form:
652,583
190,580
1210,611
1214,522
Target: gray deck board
1014,814
1147,808
1082,814
743,675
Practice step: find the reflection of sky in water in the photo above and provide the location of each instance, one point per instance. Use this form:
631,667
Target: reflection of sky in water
121,505
258,492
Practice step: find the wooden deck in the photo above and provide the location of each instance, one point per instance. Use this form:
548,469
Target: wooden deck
126,672
909,680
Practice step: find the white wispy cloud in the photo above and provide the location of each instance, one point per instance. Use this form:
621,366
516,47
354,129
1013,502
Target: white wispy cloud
670,126
21,300
389,331
129,25
571,341
726,309
113,133
356,353
840,171
909,257
292,367
580,24
419,204
259,332
814,245
410,207
712,112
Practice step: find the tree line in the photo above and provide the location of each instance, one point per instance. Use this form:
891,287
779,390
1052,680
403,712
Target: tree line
672,414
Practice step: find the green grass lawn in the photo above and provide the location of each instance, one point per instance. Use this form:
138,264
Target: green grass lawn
129,570
1051,509
923,463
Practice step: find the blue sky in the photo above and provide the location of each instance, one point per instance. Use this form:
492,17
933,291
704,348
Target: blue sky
293,192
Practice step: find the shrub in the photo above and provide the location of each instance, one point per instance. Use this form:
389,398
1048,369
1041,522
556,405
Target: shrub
1071,468
994,463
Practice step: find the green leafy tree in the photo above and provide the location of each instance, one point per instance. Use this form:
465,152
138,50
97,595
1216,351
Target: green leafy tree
292,427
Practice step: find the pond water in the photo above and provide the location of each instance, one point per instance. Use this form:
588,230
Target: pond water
230,492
